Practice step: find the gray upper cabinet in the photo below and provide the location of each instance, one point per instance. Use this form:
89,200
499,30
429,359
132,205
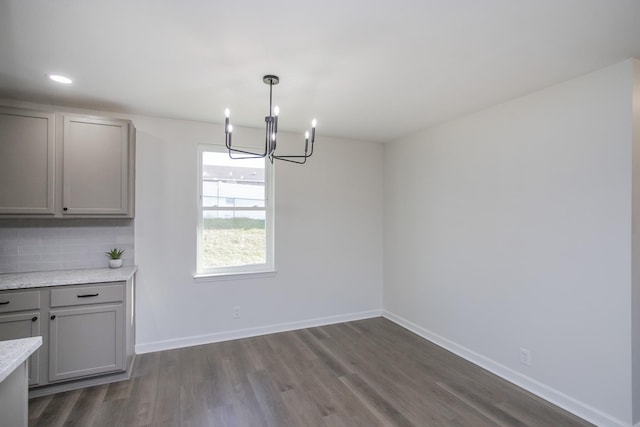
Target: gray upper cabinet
65,165
27,162
95,166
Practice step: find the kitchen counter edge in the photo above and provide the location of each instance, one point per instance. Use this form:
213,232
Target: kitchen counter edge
14,352
43,279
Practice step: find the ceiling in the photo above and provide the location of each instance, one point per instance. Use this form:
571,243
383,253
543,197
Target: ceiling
371,70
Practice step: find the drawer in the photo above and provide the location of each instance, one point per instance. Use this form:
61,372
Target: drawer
18,301
83,295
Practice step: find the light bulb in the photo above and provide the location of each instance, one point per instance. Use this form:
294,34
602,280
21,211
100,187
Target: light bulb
230,128
276,110
313,123
227,112
306,135
273,136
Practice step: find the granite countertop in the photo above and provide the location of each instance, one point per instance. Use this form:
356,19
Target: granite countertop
40,279
14,352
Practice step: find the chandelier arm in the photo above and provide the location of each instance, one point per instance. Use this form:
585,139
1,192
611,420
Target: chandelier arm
288,159
227,137
251,155
306,155
292,157
311,152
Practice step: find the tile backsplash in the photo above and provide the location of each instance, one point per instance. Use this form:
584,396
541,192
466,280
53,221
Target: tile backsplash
62,244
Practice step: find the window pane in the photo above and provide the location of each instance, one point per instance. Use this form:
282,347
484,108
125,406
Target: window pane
235,229
233,238
233,183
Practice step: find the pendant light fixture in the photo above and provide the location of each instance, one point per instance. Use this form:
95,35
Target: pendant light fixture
271,134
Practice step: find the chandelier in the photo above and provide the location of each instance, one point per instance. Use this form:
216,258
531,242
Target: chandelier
271,134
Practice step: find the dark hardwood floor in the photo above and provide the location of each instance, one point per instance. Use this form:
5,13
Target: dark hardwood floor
365,373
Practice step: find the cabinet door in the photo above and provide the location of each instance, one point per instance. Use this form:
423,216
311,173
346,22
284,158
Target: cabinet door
85,341
27,160
95,166
23,325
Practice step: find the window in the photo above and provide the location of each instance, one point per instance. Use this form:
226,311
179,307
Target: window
235,224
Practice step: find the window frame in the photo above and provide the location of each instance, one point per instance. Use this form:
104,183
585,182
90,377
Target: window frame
267,268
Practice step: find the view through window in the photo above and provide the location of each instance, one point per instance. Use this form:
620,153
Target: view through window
235,216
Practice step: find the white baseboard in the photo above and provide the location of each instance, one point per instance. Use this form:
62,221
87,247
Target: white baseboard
252,332
556,397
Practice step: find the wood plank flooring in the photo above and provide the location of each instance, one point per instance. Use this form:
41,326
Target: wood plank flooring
365,373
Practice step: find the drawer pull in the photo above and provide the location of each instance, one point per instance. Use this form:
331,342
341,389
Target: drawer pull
4,302
87,295
53,316
34,318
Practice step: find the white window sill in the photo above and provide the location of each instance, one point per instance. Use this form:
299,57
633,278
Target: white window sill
218,277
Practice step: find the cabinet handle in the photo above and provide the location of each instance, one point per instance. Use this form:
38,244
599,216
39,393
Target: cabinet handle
34,318
4,302
65,209
87,295
53,317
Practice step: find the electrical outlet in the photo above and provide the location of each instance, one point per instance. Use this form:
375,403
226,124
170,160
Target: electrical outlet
525,356
236,312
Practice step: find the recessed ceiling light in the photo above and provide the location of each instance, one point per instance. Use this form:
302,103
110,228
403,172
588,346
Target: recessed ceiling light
60,79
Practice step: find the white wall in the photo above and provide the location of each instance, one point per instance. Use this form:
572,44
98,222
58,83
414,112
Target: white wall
635,292
511,228
328,240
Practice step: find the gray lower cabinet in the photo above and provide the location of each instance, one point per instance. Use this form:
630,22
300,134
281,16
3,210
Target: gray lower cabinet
85,341
23,325
87,330
20,317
